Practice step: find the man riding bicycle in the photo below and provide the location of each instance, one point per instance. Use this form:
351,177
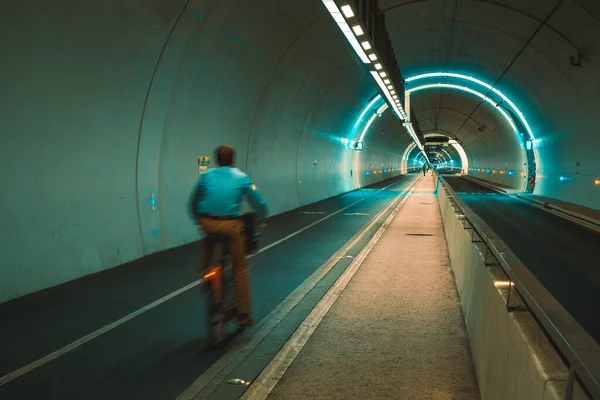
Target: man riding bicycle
215,204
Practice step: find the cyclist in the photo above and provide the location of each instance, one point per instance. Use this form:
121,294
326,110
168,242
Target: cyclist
215,204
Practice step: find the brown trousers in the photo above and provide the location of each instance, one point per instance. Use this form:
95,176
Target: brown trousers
237,250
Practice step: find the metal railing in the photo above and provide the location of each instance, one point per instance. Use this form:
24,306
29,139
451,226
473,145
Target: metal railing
580,351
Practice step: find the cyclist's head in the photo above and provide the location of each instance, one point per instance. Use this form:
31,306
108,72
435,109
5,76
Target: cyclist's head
225,155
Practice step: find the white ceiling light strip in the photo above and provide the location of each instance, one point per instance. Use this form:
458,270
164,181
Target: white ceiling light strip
388,95
363,48
413,134
345,28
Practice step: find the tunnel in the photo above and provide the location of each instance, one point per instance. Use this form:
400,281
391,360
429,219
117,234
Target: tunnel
111,110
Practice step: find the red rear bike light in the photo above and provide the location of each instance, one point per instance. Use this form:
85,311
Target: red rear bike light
212,273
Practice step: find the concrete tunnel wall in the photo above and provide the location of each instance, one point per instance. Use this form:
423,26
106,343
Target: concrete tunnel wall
105,103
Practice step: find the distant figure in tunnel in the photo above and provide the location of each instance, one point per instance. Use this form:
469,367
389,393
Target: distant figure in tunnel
215,204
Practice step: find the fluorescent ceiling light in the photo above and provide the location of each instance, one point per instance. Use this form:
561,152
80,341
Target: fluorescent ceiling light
378,66
345,28
358,30
330,4
338,18
395,107
413,134
356,46
366,45
347,10
373,57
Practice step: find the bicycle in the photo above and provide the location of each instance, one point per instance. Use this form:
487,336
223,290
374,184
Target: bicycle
218,281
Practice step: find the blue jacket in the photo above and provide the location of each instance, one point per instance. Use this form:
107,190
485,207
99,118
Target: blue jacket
219,191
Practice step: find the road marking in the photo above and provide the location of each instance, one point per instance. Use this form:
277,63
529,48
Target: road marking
274,371
55,354
81,341
220,370
321,220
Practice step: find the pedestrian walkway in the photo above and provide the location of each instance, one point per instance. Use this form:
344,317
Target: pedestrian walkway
396,331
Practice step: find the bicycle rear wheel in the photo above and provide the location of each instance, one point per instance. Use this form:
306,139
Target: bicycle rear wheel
215,322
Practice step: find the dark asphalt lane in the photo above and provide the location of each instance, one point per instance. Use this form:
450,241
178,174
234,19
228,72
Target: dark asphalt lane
161,352
461,186
563,256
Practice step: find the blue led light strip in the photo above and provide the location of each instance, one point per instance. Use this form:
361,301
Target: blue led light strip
483,84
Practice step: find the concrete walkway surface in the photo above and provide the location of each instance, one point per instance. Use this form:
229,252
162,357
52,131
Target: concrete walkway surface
396,331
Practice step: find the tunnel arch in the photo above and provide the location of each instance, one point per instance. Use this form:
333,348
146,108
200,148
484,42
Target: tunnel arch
483,84
494,97
541,60
407,166
513,115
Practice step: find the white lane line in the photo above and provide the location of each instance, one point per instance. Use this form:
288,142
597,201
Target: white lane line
220,370
55,354
321,220
270,376
81,341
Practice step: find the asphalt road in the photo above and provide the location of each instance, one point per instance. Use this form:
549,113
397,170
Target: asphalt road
563,256
159,353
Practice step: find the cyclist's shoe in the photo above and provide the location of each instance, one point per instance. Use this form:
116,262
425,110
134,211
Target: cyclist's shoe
245,320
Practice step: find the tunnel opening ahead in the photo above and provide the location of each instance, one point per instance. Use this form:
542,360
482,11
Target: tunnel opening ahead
494,124
511,133
447,154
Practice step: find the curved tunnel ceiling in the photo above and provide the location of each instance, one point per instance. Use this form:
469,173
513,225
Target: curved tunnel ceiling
488,131
538,54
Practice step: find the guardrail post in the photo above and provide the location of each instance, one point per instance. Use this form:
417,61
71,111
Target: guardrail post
467,225
570,384
488,254
473,234
510,308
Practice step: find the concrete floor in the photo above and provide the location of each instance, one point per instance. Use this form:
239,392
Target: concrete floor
397,330
159,353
